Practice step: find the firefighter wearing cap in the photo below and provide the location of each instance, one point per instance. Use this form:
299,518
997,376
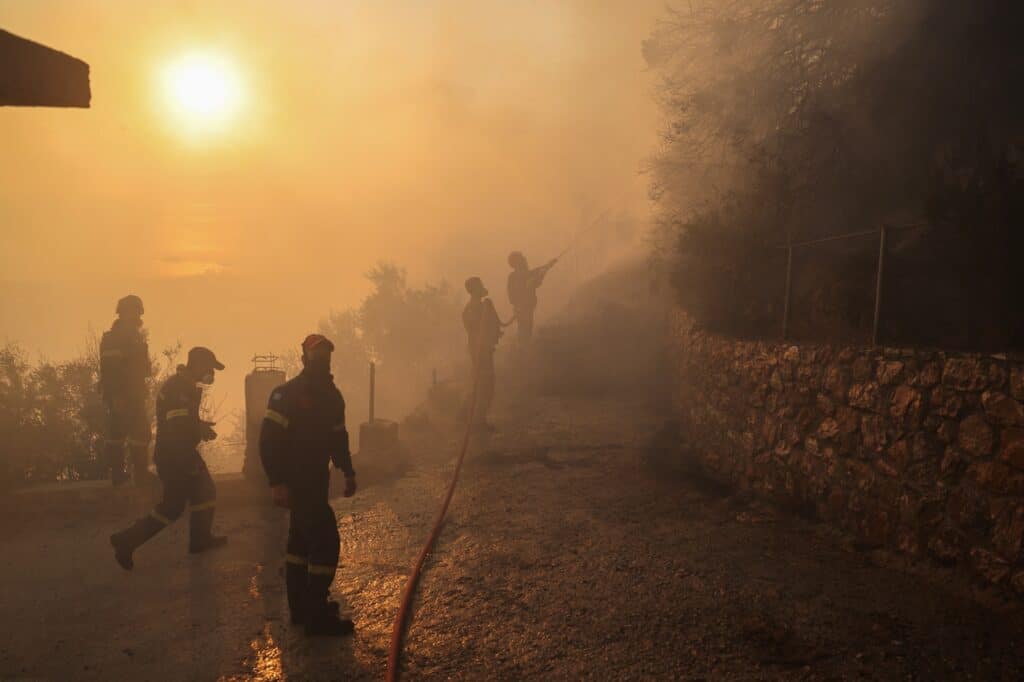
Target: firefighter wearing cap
522,291
303,432
124,371
483,330
182,471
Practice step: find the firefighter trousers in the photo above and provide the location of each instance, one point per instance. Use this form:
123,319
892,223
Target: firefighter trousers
185,483
311,557
127,424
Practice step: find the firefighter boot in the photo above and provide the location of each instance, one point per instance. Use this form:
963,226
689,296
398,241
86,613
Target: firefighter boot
296,580
200,537
321,615
130,539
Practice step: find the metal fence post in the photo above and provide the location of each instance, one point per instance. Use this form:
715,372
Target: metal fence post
878,285
789,282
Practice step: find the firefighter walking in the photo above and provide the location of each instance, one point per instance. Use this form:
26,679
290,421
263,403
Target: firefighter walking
124,370
182,471
303,432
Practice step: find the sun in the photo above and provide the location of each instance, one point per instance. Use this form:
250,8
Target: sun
202,91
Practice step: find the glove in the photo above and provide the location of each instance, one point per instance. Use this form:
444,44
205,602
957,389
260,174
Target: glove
279,494
350,486
208,433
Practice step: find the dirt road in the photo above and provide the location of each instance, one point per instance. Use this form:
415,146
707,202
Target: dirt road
565,557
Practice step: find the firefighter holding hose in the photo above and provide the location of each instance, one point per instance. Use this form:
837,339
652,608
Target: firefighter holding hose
303,432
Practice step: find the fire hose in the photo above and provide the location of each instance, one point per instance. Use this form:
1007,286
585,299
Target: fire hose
401,618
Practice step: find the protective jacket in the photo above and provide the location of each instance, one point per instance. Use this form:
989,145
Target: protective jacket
303,431
178,426
483,327
522,287
124,362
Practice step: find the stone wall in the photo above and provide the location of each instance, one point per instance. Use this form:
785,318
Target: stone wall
917,450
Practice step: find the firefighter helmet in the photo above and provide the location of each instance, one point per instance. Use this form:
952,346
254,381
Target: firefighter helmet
130,305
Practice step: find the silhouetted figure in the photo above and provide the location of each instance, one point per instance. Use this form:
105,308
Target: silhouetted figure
184,475
124,371
303,432
483,330
522,291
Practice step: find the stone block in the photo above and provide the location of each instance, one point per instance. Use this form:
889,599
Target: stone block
1011,449
1017,582
991,567
946,545
905,404
975,436
929,375
889,372
967,507
1017,382
965,374
996,376
946,402
825,405
861,369
947,431
873,430
1009,532
953,461
829,428
863,396
837,381
899,455
1002,409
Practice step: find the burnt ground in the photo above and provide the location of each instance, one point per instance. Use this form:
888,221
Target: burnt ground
566,556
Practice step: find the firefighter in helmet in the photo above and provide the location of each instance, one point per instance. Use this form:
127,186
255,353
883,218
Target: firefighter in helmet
124,370
303,432
483,330
522,291
182,471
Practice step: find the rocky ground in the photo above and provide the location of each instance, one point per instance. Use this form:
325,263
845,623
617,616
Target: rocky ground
568,554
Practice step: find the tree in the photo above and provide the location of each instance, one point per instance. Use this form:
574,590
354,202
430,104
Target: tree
798,119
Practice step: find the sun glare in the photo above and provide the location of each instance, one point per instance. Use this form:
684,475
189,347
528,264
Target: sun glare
202,91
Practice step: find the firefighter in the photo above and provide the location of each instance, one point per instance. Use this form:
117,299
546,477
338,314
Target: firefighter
303,432
522,291
124,371
483,330
185,478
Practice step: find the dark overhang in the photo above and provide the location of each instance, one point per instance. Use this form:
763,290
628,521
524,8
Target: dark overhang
33,75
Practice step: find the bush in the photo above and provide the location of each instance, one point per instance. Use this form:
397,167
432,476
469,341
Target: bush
51,420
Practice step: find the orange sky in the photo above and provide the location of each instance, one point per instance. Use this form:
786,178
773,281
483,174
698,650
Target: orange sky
438,135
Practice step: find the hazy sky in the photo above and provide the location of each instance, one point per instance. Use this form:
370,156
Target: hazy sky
438,135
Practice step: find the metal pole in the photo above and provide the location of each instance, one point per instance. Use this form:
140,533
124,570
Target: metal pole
789,286
373,388
878,286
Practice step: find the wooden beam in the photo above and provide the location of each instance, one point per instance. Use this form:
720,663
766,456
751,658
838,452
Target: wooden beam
33,75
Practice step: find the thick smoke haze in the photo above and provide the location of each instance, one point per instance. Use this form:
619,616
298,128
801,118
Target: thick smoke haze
438,136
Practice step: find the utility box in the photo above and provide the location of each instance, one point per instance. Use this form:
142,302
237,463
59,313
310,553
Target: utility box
259,384
381,455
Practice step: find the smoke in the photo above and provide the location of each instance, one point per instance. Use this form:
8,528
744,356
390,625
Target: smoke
437,136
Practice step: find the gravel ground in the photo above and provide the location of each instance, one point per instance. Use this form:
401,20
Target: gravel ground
565,556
